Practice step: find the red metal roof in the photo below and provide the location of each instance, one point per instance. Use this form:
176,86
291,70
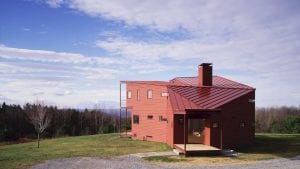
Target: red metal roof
192,97
185,93
217,82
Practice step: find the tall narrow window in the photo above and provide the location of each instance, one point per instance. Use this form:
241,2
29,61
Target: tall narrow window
149,94
136,119
138,95
129,95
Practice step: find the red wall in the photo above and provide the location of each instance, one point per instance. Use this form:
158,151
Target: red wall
233,113
150,129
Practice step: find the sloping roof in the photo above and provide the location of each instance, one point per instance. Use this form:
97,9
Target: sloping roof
185,93
217,82
192,97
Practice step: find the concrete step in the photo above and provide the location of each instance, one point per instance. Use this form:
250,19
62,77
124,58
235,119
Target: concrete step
177,152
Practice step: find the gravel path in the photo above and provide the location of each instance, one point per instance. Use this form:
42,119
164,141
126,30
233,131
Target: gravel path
132,162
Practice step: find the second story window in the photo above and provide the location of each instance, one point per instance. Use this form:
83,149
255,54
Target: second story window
138,95
149,94
136,119
129,94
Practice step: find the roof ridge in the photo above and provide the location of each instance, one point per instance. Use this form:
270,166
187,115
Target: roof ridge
191,76
215,76
250,88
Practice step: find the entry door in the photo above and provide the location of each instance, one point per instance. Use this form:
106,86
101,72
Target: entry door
196,131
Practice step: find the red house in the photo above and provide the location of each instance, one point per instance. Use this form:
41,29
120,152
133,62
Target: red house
191,114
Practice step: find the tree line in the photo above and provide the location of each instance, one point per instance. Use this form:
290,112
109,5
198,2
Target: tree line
16,122
277,119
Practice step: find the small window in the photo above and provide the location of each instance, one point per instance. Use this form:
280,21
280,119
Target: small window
129,95
138,95
150,117
164,94
242,124
136,119
215,125
149,94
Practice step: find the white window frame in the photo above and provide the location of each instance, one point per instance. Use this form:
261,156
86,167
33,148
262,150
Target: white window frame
129,94
149,94
138,97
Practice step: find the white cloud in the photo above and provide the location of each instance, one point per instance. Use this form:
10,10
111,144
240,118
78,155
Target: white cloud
52,56
258,40
199,16
64,79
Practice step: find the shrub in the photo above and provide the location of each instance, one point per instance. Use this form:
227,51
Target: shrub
290,124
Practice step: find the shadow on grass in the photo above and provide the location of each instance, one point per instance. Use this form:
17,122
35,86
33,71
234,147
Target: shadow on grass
280,145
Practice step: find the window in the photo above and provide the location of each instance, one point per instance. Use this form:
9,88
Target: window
164,94
149,94
242,124
129,95
136,119
138,95
150,117
215,125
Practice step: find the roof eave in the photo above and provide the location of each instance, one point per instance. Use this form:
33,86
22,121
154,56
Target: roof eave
192,111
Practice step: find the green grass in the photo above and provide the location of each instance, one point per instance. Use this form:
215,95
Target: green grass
26,154
266,146
269,146
168,159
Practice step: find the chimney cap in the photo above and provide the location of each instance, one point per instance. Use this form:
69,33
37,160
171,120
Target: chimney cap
205,64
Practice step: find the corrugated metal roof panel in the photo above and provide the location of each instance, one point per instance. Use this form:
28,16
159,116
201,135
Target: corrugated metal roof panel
217,82
192,97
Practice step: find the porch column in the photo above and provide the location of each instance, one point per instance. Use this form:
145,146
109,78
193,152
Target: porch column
126,122
184,132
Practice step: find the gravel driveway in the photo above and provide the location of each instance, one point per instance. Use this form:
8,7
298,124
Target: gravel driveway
135,162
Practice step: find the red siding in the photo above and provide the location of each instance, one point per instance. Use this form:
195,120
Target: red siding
233,113
149,129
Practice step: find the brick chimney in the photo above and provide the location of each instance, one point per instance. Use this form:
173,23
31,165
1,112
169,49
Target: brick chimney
205,74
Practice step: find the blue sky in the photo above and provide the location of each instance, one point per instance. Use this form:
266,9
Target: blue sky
73,53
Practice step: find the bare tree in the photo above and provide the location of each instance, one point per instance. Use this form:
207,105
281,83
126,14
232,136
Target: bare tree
39,117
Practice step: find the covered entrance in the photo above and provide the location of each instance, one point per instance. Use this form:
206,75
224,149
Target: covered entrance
197,132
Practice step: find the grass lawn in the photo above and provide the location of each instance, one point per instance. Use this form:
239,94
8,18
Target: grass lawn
26,154
267,146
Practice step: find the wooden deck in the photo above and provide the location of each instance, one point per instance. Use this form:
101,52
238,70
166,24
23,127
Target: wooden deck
198,149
